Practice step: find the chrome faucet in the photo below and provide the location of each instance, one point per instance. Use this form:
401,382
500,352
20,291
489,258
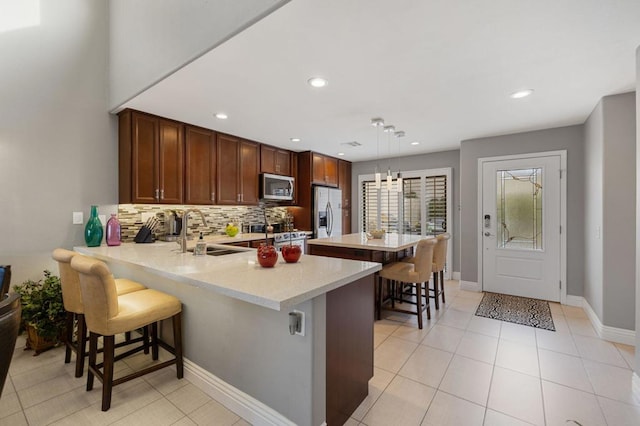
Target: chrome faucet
182,241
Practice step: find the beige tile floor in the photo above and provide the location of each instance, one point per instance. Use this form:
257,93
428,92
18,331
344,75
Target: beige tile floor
459,370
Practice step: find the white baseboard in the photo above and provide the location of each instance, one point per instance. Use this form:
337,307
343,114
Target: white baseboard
244,405
470,286
612,334
574,300
455,275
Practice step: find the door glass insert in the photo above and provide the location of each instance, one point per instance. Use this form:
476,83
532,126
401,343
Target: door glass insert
519,209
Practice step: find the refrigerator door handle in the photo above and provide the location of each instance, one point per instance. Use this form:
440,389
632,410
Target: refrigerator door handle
329,219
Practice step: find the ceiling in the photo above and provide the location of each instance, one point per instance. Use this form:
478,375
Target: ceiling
440,70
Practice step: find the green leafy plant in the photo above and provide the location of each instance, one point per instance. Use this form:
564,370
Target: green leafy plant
42,306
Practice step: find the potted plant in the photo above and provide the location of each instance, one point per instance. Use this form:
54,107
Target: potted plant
43,313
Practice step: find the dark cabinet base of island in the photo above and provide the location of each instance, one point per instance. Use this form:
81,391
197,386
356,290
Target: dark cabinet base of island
349,363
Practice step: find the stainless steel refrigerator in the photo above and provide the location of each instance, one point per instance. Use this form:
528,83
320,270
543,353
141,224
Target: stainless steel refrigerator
327,212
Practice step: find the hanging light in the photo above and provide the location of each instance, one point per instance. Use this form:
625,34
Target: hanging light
377,123
399,134
388,130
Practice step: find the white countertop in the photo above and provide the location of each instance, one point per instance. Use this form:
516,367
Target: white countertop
359,240
239,275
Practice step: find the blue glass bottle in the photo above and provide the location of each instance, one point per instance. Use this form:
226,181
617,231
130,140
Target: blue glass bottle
93,231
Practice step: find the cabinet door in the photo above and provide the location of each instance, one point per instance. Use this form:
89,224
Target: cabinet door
331,171
267,159
283,164
171,161
144,157
344,183
227,170
318,168
249,166
200,166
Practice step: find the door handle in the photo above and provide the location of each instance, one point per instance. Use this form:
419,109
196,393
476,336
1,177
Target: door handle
487,234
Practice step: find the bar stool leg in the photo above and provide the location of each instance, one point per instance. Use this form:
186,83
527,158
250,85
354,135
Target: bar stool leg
154,341
82,345
435,289
177,344
107,373
93,352
68,337
145,336
419,303
442,284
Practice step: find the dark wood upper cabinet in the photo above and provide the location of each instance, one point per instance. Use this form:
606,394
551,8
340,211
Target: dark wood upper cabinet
200,166
249,171
274,160
151,159
237,170
325,170
344,183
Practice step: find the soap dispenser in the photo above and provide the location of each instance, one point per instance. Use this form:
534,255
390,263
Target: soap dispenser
201,247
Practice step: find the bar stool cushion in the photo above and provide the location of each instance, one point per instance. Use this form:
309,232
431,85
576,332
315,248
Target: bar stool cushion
417,271
440,252
71,296
110,314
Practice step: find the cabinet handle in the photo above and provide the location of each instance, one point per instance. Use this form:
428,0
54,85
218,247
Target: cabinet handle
162,194
157,197
213,196
238,197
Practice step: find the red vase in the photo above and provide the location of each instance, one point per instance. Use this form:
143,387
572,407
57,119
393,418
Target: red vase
267,255
291,253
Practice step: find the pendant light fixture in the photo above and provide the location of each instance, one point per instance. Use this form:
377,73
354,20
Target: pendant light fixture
389,130
399,134
377,123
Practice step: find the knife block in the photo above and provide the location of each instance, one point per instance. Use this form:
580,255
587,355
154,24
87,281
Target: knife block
144,235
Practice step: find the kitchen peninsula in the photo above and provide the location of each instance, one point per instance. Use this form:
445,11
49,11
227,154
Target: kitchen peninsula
237,343
358,246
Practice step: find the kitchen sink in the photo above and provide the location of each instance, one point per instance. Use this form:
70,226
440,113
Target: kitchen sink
219,251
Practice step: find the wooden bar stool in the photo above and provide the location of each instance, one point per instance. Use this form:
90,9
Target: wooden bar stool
439,262
108,314
72,300
414,274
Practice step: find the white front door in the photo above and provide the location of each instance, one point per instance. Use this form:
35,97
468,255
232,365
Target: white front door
520,226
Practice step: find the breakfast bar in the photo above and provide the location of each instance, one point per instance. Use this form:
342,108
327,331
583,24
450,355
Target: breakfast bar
237,342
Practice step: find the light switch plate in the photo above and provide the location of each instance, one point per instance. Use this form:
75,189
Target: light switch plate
77,218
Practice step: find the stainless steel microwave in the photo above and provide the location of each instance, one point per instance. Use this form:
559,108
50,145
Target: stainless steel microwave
276,187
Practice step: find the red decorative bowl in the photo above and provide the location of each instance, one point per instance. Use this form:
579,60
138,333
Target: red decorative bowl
267,256
291,253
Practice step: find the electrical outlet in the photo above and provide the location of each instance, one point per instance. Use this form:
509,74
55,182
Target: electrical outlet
77,218
296,323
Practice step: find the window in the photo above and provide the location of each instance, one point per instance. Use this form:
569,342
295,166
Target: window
422,208
423,205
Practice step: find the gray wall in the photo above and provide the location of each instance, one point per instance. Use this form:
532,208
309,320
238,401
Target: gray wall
593,208
58,150
569,138
417,162
618,236
151,39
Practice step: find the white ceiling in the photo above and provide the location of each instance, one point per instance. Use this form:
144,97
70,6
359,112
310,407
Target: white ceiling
440,70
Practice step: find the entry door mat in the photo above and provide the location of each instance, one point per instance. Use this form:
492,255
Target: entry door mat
519,310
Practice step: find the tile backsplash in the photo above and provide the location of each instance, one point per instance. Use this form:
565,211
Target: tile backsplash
131,217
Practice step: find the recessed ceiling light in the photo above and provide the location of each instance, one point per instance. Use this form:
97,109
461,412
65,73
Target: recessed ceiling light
317,82
521,94
221,116
341,154
415,143
294,139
